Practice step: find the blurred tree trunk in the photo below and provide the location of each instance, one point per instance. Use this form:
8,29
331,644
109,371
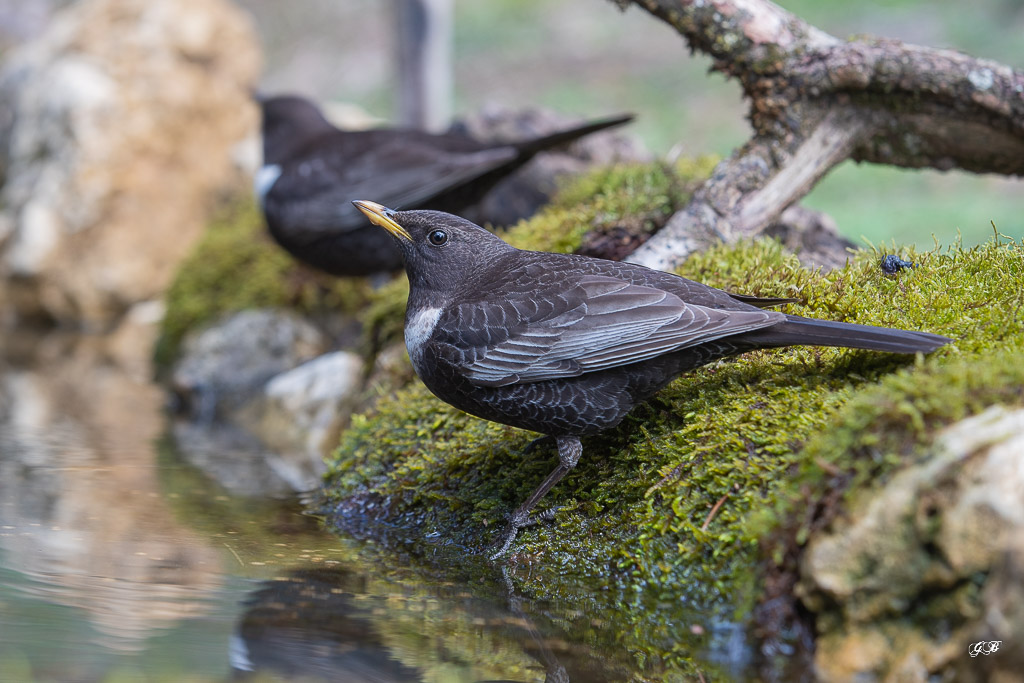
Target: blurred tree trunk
816,100
423,38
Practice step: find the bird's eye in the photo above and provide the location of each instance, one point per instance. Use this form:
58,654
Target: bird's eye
437,237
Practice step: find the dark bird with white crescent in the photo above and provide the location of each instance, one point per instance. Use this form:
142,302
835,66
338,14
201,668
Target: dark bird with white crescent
567,345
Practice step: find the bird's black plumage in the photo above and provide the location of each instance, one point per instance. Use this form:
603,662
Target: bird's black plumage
312,171
567,345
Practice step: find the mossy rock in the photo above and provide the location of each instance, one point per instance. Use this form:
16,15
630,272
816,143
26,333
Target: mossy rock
681,504
670,519
236,266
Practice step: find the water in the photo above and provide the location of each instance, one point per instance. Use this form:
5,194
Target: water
118,559
126,555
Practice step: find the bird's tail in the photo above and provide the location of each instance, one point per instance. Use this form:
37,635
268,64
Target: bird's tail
531,147
797,331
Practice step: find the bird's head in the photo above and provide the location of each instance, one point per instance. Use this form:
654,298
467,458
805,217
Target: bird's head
288,123
440,250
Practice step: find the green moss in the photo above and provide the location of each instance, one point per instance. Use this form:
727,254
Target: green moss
384,317
648,193
236,266
674,503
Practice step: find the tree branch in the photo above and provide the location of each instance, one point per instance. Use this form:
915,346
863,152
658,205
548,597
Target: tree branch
816,100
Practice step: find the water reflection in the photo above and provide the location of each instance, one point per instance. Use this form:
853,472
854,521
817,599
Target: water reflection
124,557
80,499
107,550
316,623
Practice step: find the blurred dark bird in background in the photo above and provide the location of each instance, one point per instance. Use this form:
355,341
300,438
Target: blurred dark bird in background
567,345
312,171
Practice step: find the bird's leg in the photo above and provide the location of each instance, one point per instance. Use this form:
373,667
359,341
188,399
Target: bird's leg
569,451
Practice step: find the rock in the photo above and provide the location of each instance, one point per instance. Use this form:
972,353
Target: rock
131,343
391,370
896,585
21,21
520,195
117,130
302,411
1002,622
227,364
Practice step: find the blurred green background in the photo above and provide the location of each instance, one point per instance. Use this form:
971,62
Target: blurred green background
587,58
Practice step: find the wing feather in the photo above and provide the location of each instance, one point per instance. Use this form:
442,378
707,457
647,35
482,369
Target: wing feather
403,177
602,322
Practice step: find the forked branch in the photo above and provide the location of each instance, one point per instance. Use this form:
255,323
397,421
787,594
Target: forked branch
816,100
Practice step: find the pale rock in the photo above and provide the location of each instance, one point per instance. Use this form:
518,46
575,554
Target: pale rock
131,343
228,363
917,547
302,411
118,125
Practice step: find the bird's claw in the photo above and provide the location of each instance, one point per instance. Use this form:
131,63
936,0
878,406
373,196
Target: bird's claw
517,522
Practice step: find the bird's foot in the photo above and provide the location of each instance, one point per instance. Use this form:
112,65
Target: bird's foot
504,543
569,450
517,522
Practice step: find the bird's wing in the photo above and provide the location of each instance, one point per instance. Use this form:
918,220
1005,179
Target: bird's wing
601,322
319,191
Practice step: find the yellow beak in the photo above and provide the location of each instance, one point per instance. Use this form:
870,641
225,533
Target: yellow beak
378,215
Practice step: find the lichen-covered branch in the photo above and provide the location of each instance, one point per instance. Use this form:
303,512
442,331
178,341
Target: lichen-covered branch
741,35
816,100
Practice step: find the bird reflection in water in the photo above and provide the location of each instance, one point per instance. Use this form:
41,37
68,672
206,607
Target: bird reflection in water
331,624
